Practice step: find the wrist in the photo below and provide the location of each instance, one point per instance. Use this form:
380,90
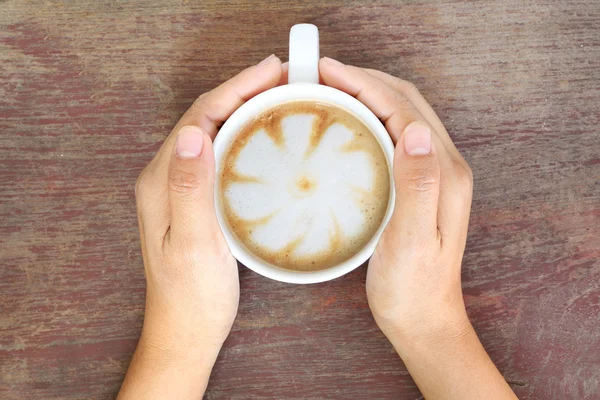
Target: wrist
161,362
172,325
179,339
439,328
438,324
178,350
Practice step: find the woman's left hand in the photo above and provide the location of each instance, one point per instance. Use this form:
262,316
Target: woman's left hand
192,279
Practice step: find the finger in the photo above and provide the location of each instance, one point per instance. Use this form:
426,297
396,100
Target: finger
457,179
153,211
455,204
212,109
417,181
285,67
395,111
191,188
411,92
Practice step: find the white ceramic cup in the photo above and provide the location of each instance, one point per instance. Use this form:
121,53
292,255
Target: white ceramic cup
303,85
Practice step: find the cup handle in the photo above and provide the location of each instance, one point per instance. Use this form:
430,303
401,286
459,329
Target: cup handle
304,54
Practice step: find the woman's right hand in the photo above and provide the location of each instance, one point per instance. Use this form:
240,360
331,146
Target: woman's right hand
413,282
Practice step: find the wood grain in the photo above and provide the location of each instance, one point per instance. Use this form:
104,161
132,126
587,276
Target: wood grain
91,88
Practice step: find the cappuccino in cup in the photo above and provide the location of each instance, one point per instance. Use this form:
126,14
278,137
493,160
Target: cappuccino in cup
304,186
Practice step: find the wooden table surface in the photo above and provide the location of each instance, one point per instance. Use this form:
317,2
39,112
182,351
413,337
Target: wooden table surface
91,88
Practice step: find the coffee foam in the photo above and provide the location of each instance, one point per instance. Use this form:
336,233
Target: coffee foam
305,186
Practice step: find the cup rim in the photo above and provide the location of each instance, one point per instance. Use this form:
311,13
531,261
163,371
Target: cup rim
269,99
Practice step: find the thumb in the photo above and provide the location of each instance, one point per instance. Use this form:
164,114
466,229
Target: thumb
191,184
417,181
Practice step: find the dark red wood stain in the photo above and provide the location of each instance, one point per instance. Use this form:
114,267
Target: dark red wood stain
90,89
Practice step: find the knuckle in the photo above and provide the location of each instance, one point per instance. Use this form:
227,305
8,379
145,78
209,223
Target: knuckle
407,88
464,175
198,101
142,183
402,101
184,183
421,180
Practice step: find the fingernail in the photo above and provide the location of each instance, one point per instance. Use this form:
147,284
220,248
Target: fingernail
417,139
331,61
267,60
189,142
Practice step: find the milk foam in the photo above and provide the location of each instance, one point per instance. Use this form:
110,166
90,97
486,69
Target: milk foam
305,198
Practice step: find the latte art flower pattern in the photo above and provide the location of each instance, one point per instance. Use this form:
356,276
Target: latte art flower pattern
305,186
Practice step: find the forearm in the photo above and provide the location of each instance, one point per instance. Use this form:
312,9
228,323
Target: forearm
451,364
168,372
